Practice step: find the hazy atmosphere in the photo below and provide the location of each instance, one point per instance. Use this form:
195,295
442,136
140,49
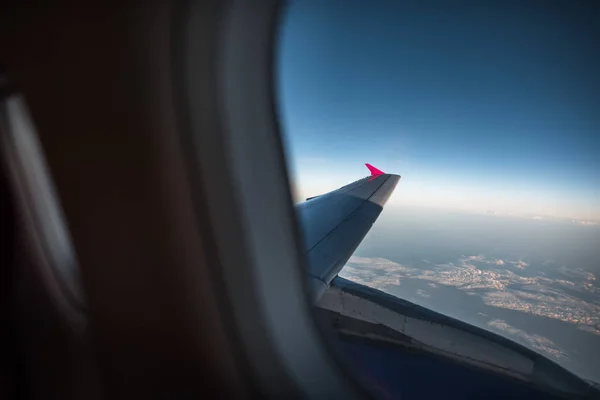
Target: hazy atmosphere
533,281
490,111
478,105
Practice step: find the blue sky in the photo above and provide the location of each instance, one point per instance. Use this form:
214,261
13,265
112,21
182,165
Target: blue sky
478,105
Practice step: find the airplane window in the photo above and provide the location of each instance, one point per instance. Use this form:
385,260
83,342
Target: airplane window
485,252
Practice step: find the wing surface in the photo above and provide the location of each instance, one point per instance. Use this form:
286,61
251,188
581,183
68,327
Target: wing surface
334,224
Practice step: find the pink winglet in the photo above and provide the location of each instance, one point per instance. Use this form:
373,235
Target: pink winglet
374,172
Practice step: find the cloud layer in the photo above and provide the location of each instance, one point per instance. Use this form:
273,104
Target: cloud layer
570,296
540,343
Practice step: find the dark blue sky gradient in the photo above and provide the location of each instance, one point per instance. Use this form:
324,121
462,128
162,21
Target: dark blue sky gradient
497,95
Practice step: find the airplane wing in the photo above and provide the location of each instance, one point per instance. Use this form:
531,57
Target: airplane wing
332,227
333,224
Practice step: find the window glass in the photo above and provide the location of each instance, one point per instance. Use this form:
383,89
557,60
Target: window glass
490,111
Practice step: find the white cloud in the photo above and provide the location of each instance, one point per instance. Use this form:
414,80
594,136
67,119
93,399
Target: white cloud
577,274
540,343
548,303
588,223
519,264
378,273
497,285
590,329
